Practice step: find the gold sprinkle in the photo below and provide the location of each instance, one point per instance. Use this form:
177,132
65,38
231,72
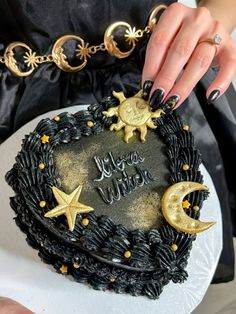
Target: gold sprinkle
76,265
90,123
127,254
42,204
186,204
57,118
41,166
196,207
44,139
186,127
185,167
85,221
112,279
174,247
63,269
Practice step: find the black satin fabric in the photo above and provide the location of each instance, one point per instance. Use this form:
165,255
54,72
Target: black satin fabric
40,23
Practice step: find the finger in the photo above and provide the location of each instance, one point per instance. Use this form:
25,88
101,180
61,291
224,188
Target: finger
10,306
162,36
227,63
178,55
197,66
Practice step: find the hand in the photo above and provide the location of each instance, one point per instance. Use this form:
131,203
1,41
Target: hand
10,306
176,45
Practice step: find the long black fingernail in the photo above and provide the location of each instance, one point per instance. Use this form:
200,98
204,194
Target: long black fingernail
147,86
170,104
156,98
213,96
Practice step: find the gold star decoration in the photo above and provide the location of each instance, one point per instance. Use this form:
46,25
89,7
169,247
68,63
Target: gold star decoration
44,139
133,114
63,269
68,206
186,204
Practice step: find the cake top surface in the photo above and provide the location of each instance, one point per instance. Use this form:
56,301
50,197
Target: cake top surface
86,197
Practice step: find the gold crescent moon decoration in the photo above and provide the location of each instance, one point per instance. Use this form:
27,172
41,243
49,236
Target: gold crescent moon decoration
153,16
60,58
11,62
111,44
173,211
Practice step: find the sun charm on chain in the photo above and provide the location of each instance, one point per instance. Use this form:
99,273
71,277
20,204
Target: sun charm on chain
133,114
131,36
83,51
31,59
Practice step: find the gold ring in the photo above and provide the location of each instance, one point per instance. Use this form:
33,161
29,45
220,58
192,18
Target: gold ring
215,42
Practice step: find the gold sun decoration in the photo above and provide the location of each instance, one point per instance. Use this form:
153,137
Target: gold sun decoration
133,114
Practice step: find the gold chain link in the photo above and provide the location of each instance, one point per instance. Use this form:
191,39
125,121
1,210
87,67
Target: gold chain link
147,29
44,58
95,49
83,50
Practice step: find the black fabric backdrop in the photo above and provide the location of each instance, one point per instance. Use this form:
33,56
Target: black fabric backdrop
40,23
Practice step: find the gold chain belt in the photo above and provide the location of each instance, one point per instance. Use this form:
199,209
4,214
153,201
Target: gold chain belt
83,50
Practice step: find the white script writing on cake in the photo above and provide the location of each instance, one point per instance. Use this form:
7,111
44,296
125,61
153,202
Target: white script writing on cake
125,184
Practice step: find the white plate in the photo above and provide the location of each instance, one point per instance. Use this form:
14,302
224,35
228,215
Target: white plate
31,282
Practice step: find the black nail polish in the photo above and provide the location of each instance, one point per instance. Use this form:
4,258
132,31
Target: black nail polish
170,104
147,86
213,96
156,98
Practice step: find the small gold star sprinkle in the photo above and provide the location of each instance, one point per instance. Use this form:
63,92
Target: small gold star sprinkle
56,118
68,205
112,279
174,247
127,254
185,167
186,204
42,204
85,221
44,139
41,166
76,265
196,208
90,123
63,269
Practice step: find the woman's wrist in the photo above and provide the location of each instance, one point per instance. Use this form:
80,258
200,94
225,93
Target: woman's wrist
222,11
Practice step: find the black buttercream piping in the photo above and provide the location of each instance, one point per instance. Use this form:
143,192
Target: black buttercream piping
99,247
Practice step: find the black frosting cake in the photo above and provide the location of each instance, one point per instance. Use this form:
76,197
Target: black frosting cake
91,204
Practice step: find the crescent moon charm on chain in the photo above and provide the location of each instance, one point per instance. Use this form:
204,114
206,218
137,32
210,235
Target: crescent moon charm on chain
173,211
83,50
153,16
11,62
111,44
60,58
